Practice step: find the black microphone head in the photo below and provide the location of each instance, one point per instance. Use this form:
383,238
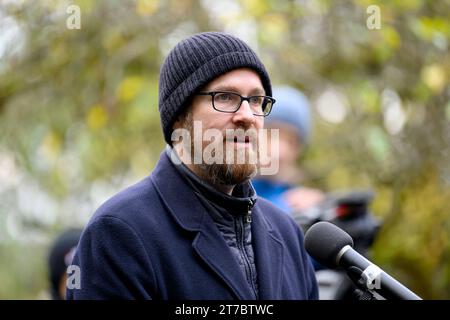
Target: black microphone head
324,240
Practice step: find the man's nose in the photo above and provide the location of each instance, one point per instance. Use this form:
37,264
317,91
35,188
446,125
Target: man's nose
244,114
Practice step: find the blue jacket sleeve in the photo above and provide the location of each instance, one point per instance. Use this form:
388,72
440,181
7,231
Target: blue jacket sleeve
313,291
113,262
312,287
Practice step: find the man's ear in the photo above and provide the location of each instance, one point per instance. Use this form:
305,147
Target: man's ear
177,124
180,121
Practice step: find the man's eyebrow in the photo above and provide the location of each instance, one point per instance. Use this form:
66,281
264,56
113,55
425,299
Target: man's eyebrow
256,91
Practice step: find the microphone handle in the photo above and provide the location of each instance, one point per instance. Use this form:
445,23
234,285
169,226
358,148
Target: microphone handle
392,289
371,277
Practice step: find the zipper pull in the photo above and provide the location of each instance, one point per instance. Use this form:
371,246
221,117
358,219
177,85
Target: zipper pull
249,211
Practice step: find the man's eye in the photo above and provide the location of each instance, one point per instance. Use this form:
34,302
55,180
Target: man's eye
223,97
256,100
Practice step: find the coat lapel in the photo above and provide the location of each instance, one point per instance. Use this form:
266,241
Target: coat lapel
268,257
190,214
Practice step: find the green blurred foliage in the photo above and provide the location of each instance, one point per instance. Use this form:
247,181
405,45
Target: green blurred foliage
78,108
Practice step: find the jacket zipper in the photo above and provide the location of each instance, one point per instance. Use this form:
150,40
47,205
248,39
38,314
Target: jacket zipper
248,217
240,233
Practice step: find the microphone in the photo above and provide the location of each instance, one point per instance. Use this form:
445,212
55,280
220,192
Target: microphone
333,247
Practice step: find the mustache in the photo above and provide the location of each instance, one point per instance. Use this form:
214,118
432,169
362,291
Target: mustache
240,134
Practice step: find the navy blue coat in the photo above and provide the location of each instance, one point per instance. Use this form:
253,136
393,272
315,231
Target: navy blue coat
155,240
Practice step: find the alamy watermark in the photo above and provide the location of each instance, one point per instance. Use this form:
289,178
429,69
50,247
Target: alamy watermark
231,146
371,277
73,21
73,277
374,19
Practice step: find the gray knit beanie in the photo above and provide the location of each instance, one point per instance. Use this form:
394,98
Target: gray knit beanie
196,61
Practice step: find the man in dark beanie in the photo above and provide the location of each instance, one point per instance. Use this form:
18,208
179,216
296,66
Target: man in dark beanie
195,228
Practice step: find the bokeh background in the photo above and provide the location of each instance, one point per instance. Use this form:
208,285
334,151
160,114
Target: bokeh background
79,119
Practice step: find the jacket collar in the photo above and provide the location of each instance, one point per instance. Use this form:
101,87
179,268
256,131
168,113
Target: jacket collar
189,213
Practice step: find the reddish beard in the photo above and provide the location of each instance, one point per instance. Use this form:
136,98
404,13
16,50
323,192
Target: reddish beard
224,173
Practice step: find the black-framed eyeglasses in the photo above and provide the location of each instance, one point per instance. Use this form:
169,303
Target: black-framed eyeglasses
230,102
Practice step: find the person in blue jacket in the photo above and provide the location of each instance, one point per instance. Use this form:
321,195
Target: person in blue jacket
292,118
195,228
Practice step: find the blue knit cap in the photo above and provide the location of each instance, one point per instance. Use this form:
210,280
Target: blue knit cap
292,107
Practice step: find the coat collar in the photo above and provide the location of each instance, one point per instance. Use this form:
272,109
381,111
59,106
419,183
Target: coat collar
189,213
